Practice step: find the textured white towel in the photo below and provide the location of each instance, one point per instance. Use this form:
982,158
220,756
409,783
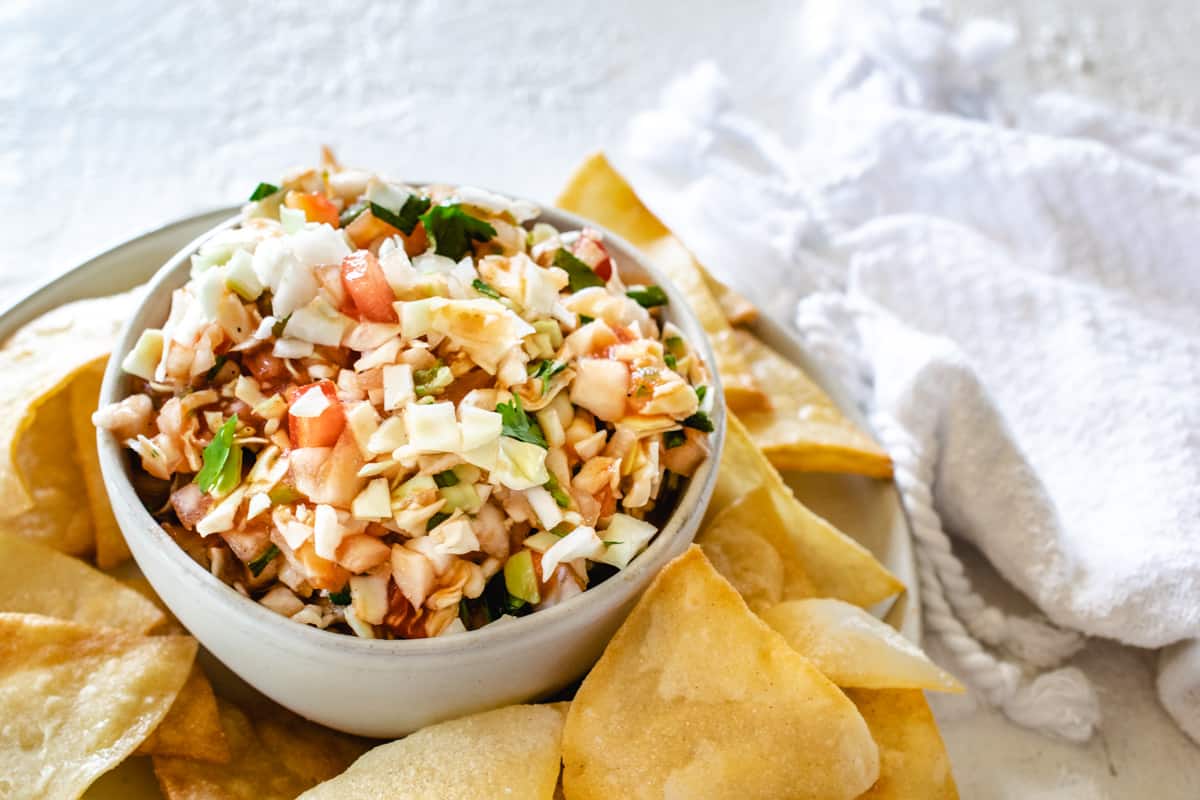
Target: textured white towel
1016,285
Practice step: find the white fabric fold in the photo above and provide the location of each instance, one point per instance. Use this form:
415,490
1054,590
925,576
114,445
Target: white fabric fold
1038,265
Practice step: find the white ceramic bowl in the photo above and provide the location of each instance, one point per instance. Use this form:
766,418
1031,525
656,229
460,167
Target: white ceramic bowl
391,688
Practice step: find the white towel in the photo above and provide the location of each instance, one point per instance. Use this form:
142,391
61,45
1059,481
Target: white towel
1015,285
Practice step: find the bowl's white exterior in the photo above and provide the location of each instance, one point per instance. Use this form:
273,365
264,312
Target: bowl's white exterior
390,688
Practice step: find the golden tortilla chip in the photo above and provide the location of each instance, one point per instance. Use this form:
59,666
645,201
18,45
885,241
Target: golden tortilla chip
598,192
696,697
75,700
274,755
913,763
509,752
748,545
36,362
35,579
854,649
111,549
192,727
737,307
803,429
835,564
46,459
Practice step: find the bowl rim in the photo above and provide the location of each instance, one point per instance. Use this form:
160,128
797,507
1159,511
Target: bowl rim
221,597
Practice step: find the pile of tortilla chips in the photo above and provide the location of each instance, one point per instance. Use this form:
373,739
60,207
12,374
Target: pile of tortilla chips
748,669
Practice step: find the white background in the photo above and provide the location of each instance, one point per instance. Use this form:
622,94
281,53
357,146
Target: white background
114,121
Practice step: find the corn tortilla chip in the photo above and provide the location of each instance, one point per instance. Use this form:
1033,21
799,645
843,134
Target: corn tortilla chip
737,307
697,697
598,192
75,700
803,429
111,549
35,579
192,726
46,458
836,565
509,752
37,361
274,755
854,649
913,762
747,543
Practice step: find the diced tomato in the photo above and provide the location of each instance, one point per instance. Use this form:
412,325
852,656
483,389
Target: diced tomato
416,242
316,206
320,431
592,252
367,286
367,227
321,573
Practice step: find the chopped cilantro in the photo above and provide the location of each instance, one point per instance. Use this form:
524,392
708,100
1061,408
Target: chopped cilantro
546,369
259,564
263,190
648,296
407,217
517,424
341,598
669,360
352,213
700,422
556,491
580,274
673,439
436,519
222,468
485,289
452,230
447,478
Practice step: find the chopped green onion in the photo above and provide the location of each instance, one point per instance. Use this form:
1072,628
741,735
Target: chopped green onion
211,375
452,230
283,495
520,578
433,380
648,297
669,360
700,422
222,468
447,478
580,274
263,190
673,439
700,392
352,213
407,217
485,289
341,598
584,319
436,519
556,491
514,422
259,564
546,369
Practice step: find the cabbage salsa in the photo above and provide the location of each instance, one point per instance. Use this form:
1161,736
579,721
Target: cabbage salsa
405,412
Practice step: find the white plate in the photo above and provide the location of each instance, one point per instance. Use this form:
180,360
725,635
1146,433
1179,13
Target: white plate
867,509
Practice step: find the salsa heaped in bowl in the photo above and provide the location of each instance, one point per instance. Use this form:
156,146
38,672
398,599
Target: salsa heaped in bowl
402,412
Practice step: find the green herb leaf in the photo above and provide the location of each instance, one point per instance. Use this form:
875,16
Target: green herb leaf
436,519
259,564
216,457
547,369
584,319
514,422
447,478
556,491
669,360
341,598
485,289
700,422
580,274
700,392
452,230
352,213
263,190
407,217
673,439
649,296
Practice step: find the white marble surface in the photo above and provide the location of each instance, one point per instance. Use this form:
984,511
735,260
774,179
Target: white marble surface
113,121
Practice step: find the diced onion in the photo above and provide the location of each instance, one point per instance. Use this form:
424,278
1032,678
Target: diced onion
432,428
398,389
327,532
579,543
373,502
